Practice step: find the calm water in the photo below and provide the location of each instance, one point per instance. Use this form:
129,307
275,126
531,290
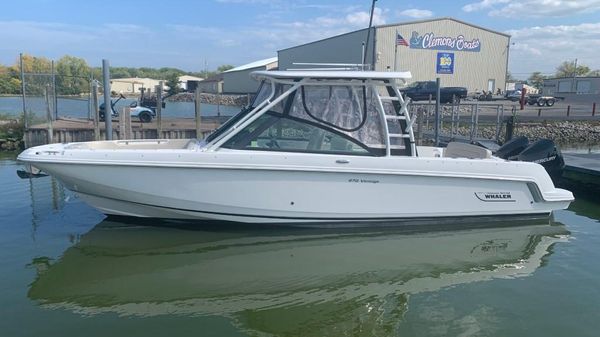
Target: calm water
65,270
70,107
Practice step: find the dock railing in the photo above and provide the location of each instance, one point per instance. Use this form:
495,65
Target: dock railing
465,121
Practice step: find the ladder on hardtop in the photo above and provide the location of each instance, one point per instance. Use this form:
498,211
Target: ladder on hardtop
401,109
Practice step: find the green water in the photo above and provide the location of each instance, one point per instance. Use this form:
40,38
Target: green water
65,270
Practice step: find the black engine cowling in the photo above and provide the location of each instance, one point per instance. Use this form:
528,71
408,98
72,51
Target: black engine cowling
513,147
545,153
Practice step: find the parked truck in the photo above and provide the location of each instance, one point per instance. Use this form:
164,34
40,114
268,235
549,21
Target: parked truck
422,90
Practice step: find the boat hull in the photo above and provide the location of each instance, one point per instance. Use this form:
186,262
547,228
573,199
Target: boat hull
285,195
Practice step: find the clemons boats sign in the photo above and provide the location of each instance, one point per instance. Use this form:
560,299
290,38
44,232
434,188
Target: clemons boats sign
431,41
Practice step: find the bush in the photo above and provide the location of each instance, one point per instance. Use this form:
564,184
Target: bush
11,127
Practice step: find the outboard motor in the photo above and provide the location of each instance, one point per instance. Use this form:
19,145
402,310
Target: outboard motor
545,153
512,148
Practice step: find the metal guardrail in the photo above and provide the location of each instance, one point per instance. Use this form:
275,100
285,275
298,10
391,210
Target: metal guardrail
471,116
475,115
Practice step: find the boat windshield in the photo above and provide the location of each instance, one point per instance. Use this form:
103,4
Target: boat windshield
321,119
276,132
264,91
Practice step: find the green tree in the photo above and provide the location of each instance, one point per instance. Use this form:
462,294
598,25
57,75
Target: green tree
72,75
594,73
173,83
224,67
7,84
568,69
120,72
536,79
509,77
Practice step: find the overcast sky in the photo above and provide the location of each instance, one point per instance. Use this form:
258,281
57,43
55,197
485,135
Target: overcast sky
190,34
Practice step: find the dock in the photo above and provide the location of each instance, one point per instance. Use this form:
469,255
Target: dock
582,168
67,130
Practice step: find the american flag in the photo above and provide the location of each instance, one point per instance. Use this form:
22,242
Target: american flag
400,40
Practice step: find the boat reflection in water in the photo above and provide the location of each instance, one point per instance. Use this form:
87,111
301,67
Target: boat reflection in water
283,281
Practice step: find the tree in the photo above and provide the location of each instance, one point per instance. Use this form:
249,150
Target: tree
509,77
33,64
224,67
173,83
72,75
9,82
35,84
536,79
594,73
120,72
568,69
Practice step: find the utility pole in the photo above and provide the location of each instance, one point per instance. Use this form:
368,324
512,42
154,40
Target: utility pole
54,92
369,35
107,102
437,112
25,117
159,92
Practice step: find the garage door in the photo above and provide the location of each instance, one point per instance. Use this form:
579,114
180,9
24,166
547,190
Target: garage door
583,87
564,86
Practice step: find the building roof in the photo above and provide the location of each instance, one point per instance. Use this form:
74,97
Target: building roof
255,64
571,77
135,80
190,78
214,78
440,19
329,74
403,24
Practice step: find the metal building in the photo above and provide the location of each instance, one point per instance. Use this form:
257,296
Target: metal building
460,53
238,81
572,86
211,85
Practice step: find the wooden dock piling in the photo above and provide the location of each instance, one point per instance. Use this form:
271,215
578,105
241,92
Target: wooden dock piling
197,112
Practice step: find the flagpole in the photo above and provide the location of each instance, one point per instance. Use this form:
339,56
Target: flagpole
395,49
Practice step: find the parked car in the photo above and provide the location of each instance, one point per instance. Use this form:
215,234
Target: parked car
514,95
422,90
144,114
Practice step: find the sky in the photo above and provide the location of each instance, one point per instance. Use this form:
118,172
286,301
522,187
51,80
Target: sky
194,35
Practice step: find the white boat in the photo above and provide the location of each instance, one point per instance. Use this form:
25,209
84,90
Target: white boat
315,146
327,282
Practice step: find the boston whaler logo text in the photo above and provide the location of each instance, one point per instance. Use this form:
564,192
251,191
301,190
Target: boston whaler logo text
430,41
494,196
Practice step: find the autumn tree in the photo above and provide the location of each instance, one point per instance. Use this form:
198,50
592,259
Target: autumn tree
9,80
36,74
34,64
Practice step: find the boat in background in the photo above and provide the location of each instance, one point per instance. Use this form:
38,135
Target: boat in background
315,146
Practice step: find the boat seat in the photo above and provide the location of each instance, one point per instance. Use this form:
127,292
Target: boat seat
193,144
465,150
316,140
